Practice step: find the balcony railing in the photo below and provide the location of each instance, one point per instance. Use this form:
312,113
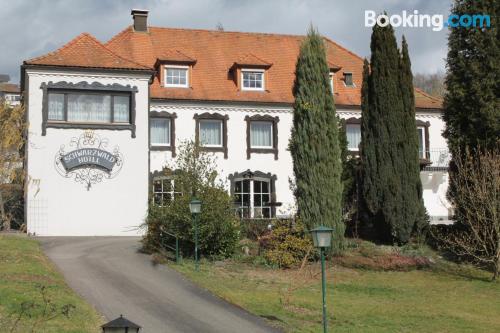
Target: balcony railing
435,158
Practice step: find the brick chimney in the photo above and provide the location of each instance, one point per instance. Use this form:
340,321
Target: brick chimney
140,19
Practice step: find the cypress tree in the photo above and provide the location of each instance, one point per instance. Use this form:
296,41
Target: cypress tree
392,190
472,100
314,142
415,213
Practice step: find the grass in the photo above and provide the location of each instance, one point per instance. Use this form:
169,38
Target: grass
24,272
442,298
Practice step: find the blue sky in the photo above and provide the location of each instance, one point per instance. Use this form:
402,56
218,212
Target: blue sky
31,28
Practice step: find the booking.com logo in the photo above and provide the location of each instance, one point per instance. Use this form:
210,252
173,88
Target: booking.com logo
416,20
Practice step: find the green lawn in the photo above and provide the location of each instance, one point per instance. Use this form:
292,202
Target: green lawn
24,271
447,298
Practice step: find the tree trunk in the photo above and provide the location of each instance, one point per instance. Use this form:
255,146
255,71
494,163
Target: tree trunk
496,267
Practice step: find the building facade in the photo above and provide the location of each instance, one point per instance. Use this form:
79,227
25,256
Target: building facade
106,118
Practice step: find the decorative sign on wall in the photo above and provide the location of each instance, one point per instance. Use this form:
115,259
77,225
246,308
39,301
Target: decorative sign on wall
88,161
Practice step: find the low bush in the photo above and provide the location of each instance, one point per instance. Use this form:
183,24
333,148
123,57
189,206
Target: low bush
218,229
287,244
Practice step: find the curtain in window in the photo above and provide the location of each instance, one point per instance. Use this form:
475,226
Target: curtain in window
160,131
89,108
121,109
210,133
56,106
353,133
261,134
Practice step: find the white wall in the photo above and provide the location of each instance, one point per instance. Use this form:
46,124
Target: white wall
237,150
59,206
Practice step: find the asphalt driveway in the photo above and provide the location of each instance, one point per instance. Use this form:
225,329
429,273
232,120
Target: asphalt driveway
115,278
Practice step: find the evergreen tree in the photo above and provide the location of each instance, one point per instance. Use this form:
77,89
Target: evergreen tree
391,185
415,213
314,142
472,100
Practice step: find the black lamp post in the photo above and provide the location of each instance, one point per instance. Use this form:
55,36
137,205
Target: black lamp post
120,325
322,239
195,208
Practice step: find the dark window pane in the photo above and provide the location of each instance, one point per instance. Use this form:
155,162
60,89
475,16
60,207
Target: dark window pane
157,186
265,199
256,186
257,200
266,212
157,199
237,187
246,186
265,187
246,200
167,185
237,198
166,198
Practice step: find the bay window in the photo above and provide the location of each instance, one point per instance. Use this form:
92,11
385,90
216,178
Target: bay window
164,191
253,197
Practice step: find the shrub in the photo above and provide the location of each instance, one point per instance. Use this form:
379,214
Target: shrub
287,244
13,198
218,229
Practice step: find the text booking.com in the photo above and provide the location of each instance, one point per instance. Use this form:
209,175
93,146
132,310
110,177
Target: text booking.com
416,20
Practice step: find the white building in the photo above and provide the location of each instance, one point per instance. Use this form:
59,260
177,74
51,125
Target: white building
104,119
10,93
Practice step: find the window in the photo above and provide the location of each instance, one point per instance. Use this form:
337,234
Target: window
421,142
348,80
210,133
177,76
353,133
164,191
331,83
160,131
252,198
89,107
252,79
261,134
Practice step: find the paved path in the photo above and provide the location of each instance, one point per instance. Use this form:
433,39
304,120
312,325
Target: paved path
111,275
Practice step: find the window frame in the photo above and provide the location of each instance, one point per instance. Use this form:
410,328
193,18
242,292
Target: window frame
355,150
262,150
83,87
331,76
172,192
163,115
426,155
353,85
171,85
213,121
253,70
271,123
212,116
256,176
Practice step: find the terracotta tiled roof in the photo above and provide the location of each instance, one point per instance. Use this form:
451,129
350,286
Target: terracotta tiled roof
426,101
86,51
251,60
212,55
9,88
175,56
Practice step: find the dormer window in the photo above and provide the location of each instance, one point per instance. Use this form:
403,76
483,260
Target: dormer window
348,81
252,79
177,76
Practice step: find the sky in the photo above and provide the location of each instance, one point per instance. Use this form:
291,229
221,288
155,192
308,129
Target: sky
31,28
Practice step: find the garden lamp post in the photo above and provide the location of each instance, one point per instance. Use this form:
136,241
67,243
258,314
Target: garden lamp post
322,239
120,325
195,208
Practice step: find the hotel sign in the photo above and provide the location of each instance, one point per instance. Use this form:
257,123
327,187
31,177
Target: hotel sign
87,159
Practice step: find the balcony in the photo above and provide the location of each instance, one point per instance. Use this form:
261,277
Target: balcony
435,159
